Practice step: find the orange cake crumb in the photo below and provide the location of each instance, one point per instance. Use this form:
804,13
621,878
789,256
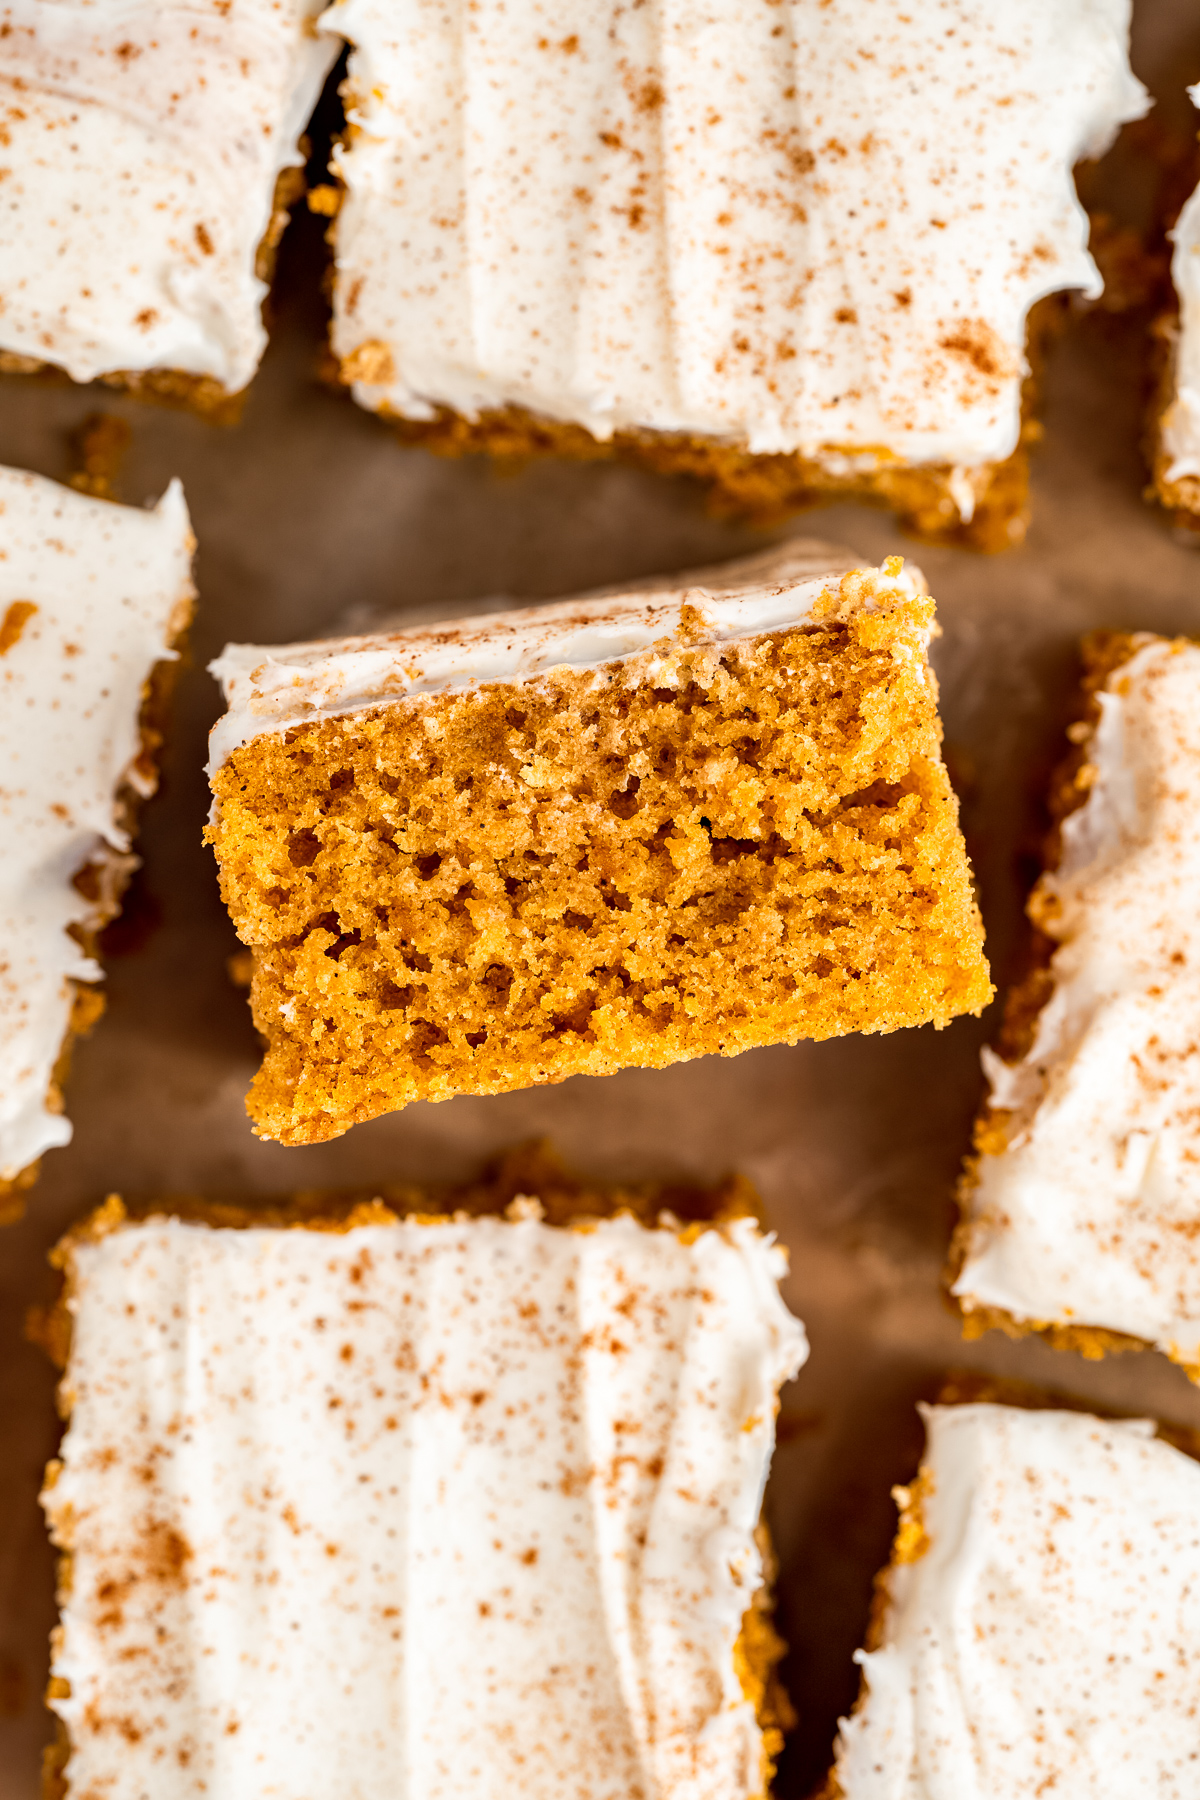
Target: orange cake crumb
704,847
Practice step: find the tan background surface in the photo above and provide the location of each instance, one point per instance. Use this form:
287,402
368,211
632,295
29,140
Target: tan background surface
309,509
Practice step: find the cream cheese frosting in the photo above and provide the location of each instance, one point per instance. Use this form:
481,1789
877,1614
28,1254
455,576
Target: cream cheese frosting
142,142
1046,1640
420,1509
273,687
91,595
1181,421
1091,1213
794,227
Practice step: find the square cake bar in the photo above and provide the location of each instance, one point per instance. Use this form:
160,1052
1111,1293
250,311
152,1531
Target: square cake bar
1038,1630
626,830
394,1499
93,599
148,152
789,249
1081,1210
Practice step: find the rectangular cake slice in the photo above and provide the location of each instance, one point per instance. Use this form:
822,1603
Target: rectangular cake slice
731,241
623,830
144,146
1040,1624
1082,1209
1177,458
459,1504
93,597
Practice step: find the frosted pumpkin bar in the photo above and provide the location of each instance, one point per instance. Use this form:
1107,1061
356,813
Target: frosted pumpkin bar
150,151
1081,1209
1038,1630
630,829
471,1494
791,250
94,598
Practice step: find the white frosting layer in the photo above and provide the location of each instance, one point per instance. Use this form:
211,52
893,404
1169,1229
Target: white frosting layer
142,141
416,1512
270,688
1092,1213
107,583
1181,421
1047,1642
797,226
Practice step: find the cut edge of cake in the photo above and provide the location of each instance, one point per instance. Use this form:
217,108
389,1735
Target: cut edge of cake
884,618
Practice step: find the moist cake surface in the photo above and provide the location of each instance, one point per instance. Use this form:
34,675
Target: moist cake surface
796,228
142,147
92,595
1084,1206
1178,470
624,830
1041,1632
448,1507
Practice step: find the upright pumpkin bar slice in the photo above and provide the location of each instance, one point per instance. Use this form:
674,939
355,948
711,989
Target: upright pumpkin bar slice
622,830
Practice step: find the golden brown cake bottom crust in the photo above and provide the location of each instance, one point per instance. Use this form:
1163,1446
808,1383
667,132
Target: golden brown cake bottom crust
763,490
476,892
1102,653
530,1172
760,489
173,387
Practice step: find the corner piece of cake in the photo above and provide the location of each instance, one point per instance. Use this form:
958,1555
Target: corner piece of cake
1082,1208
93,599
790,250
462,1493
148,152
1177,451
1038,1630
695,816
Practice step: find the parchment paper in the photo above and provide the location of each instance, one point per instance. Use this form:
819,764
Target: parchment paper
309,509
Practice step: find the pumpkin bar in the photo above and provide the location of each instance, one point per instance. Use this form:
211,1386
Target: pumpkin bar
624,830
420,1484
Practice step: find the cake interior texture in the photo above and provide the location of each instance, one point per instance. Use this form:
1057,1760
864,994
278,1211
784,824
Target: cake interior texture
703,848
1038,1629
1080,1204
363,1500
